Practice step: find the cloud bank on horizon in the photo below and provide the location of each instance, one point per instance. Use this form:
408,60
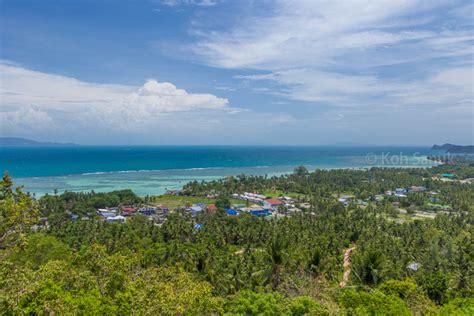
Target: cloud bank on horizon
282,72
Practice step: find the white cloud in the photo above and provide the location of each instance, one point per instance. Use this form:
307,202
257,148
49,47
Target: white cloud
40,96
165,97
306,33
338,52
25,119
458,77
203,3
50,107
444,88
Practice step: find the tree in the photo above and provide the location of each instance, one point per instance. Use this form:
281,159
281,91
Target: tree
372,303
369,267
300,171
41,249
305,305
18,212
251,303
435,285
223,202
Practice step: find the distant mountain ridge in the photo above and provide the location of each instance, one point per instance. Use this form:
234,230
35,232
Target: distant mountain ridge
17,141
455,149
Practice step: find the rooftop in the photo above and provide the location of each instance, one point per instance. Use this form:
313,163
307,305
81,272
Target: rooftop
274,202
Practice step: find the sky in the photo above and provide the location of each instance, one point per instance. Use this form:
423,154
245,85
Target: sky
258,72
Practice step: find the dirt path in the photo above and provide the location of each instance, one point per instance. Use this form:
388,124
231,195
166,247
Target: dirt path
347,267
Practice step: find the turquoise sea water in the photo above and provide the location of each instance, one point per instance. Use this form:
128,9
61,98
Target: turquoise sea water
153,169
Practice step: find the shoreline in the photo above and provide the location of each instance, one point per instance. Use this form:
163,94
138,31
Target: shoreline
156,182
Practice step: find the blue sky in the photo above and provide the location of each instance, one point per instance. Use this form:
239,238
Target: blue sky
237,72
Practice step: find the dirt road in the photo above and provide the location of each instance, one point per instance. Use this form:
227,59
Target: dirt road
347,267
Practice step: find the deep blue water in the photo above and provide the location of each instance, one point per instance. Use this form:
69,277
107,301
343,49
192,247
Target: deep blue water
59,160
153,169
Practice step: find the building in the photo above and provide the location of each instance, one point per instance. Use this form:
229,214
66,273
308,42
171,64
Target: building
261,212
198,226
106,214
251,197
379,197
173,192
272,204
400,191
118,219
211,208
417,188
195,210
294,210
107,210
147,210
413,266
345,200
162,209
231,212
447,175
128,210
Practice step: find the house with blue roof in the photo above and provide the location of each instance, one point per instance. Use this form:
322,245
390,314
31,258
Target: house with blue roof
261,213
231,212
195,210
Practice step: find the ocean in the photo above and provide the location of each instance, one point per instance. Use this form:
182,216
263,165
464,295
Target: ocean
151,170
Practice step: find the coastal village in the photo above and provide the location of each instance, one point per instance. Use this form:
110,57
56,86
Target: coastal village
252,203
269,206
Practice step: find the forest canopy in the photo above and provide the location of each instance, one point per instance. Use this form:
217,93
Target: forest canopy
291,264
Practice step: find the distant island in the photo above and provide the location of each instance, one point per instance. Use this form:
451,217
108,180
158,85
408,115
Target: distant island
17,141
455,149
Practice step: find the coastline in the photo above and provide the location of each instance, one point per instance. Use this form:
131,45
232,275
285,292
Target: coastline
156,182
151,170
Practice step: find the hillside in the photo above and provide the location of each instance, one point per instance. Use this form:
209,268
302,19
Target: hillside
455,149
17,141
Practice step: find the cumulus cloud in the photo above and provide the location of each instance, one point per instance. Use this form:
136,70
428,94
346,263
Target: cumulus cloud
25,119
35,104
31,98
165,97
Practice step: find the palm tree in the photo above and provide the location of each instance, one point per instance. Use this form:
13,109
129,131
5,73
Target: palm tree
276,250
369,267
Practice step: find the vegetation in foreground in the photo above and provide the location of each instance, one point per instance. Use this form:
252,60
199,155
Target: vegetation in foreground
244,265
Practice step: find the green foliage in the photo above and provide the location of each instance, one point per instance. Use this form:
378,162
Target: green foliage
40,249
369,267
61,288
459,306
300,171
289,265
223,202
407,290
271,303
435,284
304,305
372,303
169,292
18,212
252,303
402,289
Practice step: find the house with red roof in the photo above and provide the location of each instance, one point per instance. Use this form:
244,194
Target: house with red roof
272,203
211,208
